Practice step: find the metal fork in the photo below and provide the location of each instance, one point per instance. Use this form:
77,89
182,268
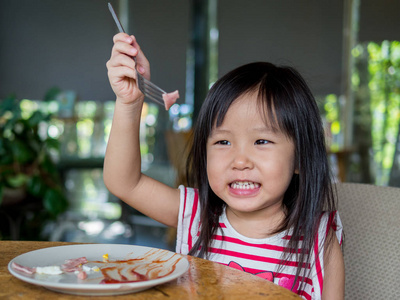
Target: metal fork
149,89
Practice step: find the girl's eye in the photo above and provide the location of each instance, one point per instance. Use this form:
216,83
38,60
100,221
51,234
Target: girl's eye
261,142
224,142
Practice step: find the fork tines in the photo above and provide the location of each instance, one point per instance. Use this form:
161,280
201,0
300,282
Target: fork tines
150,90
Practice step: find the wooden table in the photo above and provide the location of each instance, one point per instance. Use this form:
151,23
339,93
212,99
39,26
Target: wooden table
204,280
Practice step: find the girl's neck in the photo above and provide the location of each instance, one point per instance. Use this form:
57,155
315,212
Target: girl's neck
256,226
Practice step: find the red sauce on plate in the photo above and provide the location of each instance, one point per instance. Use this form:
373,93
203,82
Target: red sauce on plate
131,270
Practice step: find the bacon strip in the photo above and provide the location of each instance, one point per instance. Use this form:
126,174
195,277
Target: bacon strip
71,265
24,269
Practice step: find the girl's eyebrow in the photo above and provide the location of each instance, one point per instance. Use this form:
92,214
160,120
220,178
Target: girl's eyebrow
266,129
271,131
217,131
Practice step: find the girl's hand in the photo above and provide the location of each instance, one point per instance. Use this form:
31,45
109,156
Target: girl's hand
121,68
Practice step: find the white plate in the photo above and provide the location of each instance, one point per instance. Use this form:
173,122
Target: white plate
166,262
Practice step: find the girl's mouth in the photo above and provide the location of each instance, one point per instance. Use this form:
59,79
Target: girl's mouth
244,185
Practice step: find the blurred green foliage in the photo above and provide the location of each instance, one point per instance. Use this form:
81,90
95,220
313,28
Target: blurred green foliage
382,62
376,87
25,160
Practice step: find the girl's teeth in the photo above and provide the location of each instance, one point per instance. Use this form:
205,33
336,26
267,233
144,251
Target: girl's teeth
246,185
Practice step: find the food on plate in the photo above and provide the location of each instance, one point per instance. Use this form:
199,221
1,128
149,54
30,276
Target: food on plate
75,264
50,270
82,275
70,265
88,269
152,265
23,269
170,99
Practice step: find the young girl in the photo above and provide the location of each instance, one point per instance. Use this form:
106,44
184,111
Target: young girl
263,201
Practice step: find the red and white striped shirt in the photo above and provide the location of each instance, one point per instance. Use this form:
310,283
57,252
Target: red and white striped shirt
257,256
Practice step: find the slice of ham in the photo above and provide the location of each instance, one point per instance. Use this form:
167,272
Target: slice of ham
71,265
23,269
170,99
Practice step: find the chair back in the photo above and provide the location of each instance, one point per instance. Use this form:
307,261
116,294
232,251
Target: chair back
371,223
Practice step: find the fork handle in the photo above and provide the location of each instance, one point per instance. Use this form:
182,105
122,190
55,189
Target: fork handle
115,17
119,25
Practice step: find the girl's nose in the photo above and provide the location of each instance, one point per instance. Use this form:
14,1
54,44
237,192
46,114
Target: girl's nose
242,161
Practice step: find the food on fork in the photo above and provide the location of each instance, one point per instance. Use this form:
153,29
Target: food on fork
170,99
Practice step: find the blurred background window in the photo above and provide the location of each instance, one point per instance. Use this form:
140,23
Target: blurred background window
53,56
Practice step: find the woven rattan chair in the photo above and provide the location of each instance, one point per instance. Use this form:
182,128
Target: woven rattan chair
371,221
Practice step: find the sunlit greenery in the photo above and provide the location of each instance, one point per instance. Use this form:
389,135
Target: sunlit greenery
384,94
83,132
376,85
332,126
29,178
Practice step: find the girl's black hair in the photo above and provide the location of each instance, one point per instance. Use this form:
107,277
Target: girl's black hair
289,105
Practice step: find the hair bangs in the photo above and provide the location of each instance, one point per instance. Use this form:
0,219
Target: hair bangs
276,107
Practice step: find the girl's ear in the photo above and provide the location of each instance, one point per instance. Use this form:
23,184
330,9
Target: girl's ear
296,171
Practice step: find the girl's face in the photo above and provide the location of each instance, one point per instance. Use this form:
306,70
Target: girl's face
249,166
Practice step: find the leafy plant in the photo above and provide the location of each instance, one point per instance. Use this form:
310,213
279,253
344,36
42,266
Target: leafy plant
25,160
377,84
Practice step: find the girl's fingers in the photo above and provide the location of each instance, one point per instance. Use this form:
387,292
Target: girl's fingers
121,60
122,68
140,69
143,65
121,45
124,48
122,37
122,72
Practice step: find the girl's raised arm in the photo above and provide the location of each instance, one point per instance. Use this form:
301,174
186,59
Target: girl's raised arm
122,164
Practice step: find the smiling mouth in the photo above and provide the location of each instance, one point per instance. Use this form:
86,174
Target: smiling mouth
244,185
